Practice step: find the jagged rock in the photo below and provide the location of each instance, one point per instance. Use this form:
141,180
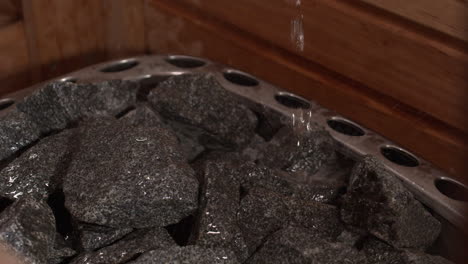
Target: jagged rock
217,225
188,254
27,228
300,245
263,212
298,151
60,104
93,237
201,101
17,131
128,248
378,203
379,252
143,115
126,176
189,138
39,170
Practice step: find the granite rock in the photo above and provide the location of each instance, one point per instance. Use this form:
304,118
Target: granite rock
217,225
38,171
128,248
93,237
378,203
300,245
59,104
143,115
188,254
298,151
127,176
17,131
199,100
379,252
27,227
263,212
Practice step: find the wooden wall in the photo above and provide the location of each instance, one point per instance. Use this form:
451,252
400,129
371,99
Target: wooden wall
397,67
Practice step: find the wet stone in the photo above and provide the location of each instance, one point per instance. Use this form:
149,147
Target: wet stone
38,171
250,175
391,212
128,248
199,100
300,245
217,225
298,151
93,237
188,254
27,227
263,212
17,131
59,104
126,176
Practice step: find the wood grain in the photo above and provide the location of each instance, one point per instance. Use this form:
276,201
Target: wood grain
65,35
447,16
196,34
10,12
14,66
387,54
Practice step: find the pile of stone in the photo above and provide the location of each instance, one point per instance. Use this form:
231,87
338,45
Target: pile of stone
191,174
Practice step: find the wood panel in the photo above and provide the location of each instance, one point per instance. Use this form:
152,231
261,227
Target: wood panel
64,35
447,16
14,59
172,29
10,12
417,67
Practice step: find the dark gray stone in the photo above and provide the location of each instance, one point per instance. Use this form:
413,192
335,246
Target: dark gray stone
300,245
127,176
189,138
186,255
17,131
201,101
298,151
93,237
143,115
250,175
27,227
263,212
128,248
59,104
39,170
377,251
378,203
217,225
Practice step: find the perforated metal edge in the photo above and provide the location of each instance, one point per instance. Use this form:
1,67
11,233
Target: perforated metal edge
420,180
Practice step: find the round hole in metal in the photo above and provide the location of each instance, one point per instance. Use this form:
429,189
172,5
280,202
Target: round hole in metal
452,189
5,103
120,66
399,156
185,61
292,101
345,127
69,79
240,78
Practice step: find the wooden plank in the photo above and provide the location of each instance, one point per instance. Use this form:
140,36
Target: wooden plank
447,16
64,35
171,29
14,66
10,12
125,25
388,54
